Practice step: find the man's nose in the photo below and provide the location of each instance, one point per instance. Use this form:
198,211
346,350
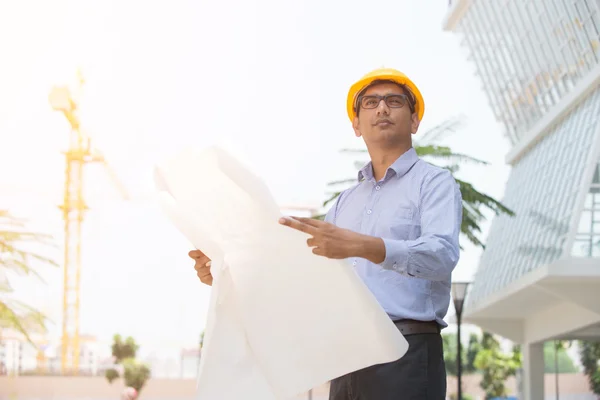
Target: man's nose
382,108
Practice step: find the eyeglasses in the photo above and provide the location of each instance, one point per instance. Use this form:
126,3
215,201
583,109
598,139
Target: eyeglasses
391,100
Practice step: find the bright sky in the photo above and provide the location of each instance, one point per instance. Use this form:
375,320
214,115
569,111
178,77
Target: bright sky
267,76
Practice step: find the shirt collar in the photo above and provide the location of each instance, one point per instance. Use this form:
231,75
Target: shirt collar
400,167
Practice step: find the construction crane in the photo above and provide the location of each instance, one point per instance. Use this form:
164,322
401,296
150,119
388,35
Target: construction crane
79,154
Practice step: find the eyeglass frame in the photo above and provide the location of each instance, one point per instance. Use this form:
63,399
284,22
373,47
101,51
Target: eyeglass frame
407,99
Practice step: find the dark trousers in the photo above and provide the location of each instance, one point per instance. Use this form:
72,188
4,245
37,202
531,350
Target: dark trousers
419,375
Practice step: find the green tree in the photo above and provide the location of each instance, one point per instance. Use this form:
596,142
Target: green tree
449,342
589,353
111,374
123,349
16,256
472,350
557,360
473,200
135,373
496,366
468,354
465,396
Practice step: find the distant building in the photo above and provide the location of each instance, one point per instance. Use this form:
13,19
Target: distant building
10,356
190,363
539,64
18,356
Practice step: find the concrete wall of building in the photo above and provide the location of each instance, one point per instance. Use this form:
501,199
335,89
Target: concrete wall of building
571,386
52,387
97,388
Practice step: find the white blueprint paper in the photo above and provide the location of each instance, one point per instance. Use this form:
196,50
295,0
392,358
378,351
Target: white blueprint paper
281,320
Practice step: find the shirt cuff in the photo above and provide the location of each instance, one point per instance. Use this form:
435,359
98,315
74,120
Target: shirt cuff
396,256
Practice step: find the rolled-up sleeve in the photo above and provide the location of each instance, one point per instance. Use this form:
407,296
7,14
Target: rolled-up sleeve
435,253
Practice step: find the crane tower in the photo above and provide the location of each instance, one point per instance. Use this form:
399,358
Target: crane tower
77,156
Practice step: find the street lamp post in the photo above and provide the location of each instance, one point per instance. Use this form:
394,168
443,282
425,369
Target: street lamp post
459,292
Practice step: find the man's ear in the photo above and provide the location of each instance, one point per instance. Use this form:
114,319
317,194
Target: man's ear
355,127
414,124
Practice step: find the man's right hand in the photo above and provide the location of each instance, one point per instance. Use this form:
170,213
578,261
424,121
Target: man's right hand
202,266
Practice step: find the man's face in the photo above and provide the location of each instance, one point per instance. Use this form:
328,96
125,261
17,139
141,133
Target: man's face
385,124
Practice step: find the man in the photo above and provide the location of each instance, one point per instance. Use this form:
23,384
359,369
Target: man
399,228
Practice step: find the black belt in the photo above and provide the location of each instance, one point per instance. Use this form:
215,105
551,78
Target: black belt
412,327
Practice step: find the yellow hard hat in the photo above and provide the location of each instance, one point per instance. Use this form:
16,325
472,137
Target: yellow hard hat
387,74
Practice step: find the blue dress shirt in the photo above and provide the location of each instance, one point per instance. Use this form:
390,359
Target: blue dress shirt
417,210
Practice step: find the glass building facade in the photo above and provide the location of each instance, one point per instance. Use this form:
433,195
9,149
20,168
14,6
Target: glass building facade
531,56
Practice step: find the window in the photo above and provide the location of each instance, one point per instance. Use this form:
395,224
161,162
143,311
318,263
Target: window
587,239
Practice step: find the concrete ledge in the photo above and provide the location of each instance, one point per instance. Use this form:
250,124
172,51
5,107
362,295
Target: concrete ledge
554,301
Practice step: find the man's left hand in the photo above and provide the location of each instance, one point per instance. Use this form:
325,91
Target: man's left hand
331,241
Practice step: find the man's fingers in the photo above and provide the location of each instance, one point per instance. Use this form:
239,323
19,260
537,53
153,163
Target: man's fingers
200,266
196,254
203,275
298,225
310,221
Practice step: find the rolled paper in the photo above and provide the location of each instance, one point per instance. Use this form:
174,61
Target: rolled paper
281,320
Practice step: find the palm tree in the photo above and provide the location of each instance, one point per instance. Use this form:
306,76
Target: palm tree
473,200
16,257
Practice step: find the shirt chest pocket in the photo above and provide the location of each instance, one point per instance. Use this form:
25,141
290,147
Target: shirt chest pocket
404,224
403,214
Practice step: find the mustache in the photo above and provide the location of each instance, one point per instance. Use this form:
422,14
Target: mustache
380,120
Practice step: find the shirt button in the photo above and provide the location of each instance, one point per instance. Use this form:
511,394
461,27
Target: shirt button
377,187
354,262
369,212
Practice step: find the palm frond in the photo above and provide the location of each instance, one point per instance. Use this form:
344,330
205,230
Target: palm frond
332,198
470,228
477,199
452,168
354,151
359,164
474,202
442,130
16,257
22,318
320,217
21,268
444,152
5,286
